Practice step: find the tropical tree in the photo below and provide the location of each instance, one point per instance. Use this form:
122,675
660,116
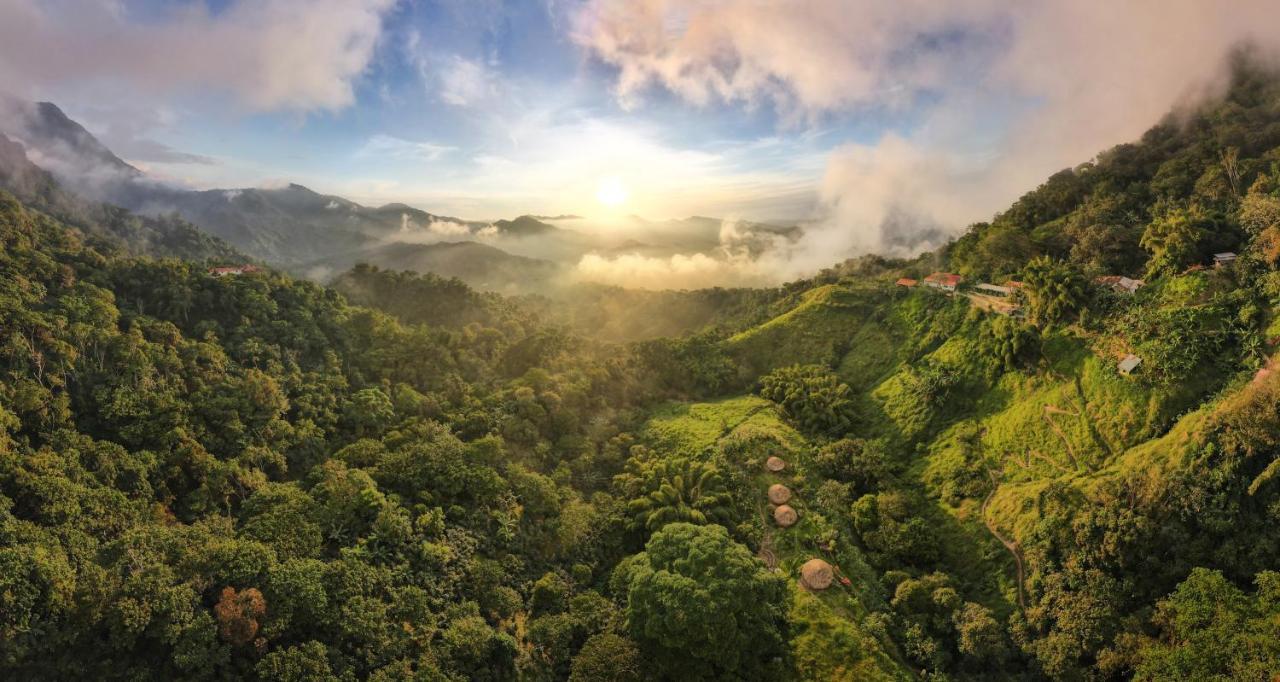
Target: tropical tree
1174,241
1210,629
1055,290
607,657
680,490
700,606
1011,343
813,396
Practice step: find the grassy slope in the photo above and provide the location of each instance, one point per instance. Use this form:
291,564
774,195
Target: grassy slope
1073,419
693,428
818,330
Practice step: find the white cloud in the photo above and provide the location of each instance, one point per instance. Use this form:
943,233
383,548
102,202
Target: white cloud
466,82
807,57
1009,94
387,146
681,271
745,257
296,55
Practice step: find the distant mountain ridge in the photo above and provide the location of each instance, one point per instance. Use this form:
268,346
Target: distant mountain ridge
309,232
479,265
109,225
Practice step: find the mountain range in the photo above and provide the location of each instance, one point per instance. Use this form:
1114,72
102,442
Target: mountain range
318,235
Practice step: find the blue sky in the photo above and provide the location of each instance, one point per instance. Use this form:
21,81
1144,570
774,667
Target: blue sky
489,109
841,112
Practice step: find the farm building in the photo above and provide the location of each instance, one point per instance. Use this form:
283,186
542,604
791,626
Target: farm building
1221,259
994,290
906,282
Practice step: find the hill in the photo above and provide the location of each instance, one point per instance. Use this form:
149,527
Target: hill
481,266
247,475
110,227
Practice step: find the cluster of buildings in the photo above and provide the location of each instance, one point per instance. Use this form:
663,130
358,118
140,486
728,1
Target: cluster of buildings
950,283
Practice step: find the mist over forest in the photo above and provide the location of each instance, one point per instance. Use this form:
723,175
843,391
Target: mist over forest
609,341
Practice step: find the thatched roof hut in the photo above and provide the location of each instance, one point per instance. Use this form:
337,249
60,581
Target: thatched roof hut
779,494
785,516
775,464
816,574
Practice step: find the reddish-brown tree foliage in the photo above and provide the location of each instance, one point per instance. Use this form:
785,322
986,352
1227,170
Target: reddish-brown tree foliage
238,614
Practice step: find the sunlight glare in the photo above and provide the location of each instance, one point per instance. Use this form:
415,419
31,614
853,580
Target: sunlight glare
611,192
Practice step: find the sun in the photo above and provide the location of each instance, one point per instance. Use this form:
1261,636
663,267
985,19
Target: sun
611,192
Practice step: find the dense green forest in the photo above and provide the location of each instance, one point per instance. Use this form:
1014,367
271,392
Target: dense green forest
398,477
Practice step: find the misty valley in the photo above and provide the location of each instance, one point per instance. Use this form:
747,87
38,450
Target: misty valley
900,393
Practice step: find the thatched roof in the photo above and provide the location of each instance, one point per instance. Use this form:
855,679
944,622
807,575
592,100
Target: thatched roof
816,574
785,516
775,464
779,494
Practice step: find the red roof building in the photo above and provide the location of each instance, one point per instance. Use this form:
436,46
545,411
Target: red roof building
233,270
943,280
906,282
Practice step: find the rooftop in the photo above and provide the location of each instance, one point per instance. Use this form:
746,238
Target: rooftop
1129,363
944,278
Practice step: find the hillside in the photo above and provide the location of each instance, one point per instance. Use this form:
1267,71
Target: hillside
241,474
110,227
481,266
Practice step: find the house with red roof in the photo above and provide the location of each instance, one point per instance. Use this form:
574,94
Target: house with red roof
946,281
234,270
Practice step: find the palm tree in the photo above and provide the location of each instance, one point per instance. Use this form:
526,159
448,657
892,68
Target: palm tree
683,491
1056,290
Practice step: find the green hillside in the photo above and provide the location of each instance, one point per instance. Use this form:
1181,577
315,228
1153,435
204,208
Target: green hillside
245,475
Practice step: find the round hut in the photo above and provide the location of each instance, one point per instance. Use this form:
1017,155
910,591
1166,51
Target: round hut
785,516
775,464
779,494
816,574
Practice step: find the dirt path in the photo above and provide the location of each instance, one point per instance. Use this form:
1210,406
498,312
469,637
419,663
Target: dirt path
1050,410
1010,545
766,553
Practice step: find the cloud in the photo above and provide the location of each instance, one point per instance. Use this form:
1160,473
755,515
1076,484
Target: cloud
411,232
394,147
745,257
1002,95
269,55
806,57
466,82
680,271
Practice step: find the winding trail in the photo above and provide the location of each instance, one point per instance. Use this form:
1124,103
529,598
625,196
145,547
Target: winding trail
1010,545
1052,410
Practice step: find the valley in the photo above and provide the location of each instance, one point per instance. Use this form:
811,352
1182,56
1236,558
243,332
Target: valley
272,433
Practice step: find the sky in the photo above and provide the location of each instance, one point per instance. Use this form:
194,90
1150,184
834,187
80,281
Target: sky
885,125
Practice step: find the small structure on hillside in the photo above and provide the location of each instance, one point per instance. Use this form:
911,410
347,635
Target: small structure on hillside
779,494
906,282
775,464
785,516
816,574
1128,364
1120,283
994,290
1222,259
946,281
234,270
